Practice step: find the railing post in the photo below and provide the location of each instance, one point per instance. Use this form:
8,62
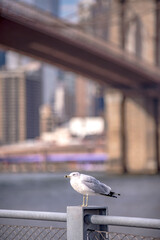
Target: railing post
77,225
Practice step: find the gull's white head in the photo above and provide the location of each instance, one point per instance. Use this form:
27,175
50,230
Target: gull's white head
73,174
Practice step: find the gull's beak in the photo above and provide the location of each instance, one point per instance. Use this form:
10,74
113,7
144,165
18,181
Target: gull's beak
67,176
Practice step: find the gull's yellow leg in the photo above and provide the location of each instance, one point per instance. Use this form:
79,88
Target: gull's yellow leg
83,205
86,201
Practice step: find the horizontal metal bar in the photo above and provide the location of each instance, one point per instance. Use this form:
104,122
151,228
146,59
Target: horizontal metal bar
94,219
34,215
124,221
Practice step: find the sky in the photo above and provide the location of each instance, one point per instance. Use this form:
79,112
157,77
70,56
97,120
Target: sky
68,7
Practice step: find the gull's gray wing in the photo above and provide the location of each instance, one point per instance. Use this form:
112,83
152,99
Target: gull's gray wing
95,185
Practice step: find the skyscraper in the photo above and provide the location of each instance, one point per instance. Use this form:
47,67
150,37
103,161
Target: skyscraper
20,99
64,98
46,119
33,88
2,59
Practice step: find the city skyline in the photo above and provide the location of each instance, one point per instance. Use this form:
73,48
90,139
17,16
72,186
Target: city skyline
60,89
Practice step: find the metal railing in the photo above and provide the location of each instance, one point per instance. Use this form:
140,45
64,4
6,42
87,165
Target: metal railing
33,215
83,223
19,232
125,221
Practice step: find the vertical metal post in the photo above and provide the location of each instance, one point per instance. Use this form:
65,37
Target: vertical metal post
77,227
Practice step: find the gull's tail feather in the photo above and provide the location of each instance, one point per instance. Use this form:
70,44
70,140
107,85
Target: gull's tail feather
111,194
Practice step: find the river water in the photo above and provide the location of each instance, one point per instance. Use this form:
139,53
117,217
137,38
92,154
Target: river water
140,195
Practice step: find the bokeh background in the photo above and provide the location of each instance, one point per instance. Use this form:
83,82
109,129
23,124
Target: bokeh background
55,120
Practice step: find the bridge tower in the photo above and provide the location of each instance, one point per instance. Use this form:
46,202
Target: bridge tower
133,120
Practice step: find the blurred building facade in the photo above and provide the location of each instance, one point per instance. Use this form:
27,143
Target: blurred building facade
46,118
64,97
92,102
20,99
2,59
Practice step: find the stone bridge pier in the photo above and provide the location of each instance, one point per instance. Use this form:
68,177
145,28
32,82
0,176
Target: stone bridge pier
133,132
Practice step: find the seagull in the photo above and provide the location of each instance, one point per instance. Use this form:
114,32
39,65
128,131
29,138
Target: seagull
88,185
